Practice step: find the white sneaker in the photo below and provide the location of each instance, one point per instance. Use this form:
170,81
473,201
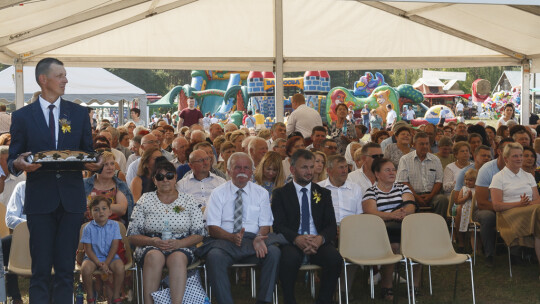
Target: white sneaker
376,279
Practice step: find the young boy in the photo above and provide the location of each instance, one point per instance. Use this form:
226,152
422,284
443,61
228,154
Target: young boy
100,239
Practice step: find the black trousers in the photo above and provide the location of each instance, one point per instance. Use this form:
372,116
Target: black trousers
327,257
53,241
12,284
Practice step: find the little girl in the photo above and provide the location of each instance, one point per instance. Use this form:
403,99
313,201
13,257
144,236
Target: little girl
269,172
464,205
101,238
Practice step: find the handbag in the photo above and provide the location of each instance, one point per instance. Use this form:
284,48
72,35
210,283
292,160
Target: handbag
194,294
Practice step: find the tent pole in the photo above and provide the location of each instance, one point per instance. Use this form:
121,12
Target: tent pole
121,112
525,94
19,83
278,54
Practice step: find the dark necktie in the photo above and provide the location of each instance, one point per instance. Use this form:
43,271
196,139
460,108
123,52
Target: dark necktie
237,221
52,124
305,212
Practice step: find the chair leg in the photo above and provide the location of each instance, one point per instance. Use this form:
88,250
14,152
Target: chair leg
474,246
372,285
312,283
275,300
430,284
339,290
408,278
472,281
253,283
412,281
455,282
509,260
452,230
346,287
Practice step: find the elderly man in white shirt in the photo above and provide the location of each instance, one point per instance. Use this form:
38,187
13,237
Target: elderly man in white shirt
200,182
239,219
364,176
303,119
346,195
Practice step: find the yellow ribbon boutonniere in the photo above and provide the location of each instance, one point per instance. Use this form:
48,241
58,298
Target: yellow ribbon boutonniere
178,209
316,197
66,125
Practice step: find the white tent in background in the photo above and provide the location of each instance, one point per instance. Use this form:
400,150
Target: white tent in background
94,87
273,35
89,86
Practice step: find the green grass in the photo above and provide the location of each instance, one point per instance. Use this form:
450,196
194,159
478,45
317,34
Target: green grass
492,285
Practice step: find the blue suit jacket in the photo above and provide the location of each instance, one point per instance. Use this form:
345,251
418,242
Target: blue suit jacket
46,190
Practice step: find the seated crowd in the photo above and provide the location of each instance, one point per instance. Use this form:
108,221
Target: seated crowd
276,198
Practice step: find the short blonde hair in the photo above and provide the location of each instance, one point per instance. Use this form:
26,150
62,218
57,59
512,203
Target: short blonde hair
107,155
511,146
471,173
460,144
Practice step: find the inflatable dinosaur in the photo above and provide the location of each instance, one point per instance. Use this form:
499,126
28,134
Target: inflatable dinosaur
377,100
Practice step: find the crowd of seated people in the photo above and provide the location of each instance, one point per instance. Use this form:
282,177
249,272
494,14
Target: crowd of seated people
275,197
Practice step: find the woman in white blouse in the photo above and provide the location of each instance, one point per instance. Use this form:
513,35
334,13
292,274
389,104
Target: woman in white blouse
462,154
515,199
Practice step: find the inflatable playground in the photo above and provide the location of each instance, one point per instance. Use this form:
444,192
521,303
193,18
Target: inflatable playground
223,93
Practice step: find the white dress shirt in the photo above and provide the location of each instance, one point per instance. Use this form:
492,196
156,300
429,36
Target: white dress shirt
256,210
9,186
303,119
513,185
56,113
199,189
359,177
14,210
347,199
120,158
131,159
299,193
132,171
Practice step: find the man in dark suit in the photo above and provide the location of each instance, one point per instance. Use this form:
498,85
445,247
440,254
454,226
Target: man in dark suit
55,200
304,214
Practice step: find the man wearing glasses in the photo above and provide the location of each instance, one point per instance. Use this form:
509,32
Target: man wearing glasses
200,182
329,147
364,176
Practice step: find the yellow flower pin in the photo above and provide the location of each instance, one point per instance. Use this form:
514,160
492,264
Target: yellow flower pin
66,125
316,197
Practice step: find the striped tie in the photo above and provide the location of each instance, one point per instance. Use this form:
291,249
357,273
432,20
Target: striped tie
238,211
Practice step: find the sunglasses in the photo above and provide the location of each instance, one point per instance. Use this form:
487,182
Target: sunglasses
169,175
375,156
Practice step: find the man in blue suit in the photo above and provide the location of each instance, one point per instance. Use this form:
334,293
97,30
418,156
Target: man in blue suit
55,200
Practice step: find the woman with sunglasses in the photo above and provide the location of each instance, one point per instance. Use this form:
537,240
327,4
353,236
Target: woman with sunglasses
166,225
143,183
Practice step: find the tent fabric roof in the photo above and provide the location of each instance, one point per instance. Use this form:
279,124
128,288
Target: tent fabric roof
240,34
92,86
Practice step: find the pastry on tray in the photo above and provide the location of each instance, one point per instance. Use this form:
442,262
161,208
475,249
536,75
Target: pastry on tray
64,156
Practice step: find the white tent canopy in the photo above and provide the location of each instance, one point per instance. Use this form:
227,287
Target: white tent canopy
90,86
272,35
240,34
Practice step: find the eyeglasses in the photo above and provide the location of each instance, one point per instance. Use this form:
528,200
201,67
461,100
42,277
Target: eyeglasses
331,147
169,175
375,156
202,160
151,142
